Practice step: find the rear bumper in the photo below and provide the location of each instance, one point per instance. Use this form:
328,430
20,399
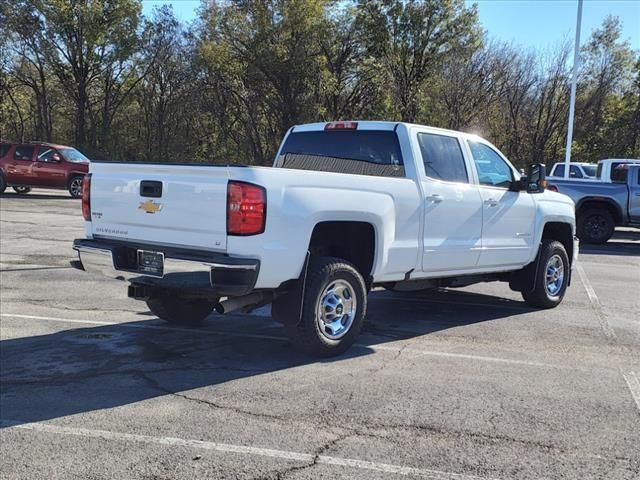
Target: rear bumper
197,271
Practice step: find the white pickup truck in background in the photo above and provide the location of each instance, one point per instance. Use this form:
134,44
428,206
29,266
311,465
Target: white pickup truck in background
346,207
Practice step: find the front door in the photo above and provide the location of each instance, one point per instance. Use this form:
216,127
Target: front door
49,168
508,216
452,208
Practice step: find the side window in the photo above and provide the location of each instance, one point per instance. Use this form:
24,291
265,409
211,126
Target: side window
4,148
46,154
574,172
23,153
492,169
442,158
559,171
619,172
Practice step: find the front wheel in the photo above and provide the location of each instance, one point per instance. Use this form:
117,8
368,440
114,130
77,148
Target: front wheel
21,190
3,183
552,276
75,186
333,309
178,310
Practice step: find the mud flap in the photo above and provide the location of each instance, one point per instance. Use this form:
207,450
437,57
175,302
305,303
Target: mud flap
288,308
524,280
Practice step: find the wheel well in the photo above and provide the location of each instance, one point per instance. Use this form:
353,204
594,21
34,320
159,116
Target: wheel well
352,241
562,233
591,204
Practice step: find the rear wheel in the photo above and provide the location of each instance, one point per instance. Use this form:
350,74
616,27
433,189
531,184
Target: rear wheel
75,186
178,310
22,190
3,184
552,276
596,226
333,309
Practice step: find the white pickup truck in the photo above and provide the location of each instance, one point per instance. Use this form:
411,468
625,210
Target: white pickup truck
347,206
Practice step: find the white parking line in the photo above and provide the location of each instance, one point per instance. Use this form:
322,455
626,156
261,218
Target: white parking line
414,351
595,303
240,449
634,386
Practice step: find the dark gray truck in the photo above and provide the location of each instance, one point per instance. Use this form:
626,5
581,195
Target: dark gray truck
600,207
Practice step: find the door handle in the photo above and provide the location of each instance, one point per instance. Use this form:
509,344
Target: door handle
435,198
491,202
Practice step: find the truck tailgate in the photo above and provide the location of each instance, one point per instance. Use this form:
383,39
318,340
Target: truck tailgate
162,204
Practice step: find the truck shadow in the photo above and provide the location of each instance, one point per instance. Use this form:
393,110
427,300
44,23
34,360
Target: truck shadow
622,243
101,367
37,196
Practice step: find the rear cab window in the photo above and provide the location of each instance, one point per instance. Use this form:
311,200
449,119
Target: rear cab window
357,152
4,149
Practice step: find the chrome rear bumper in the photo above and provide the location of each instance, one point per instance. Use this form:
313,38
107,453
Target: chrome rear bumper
183,269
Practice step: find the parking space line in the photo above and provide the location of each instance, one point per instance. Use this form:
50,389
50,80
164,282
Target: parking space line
595,303
634,386
414,351
240,449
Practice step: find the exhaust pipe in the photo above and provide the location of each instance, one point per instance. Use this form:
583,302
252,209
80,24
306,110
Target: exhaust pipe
235,303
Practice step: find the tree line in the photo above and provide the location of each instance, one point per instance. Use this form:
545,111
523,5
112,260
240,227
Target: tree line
101,76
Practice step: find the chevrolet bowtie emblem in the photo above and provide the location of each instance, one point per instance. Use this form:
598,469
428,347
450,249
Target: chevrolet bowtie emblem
150,206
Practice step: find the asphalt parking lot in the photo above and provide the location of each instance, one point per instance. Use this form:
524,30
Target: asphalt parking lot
460,384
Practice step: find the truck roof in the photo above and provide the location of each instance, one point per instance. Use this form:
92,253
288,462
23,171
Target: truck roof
374,125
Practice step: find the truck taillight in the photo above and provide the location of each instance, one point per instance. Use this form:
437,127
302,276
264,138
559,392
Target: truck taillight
341,126
246,208
86,192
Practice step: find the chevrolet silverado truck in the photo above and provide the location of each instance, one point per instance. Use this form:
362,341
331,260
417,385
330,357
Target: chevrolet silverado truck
600,207
346,207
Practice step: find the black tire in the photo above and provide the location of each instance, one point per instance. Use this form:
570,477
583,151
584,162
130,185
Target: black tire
329,278
177,310
545,295
74,191
596,226
3,184
21,190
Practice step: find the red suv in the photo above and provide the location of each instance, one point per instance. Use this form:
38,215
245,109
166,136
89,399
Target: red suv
37,164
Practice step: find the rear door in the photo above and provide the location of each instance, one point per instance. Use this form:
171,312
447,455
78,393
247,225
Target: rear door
160,204
508,216
20,165
452,206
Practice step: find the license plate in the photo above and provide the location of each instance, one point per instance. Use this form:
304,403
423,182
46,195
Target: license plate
151,262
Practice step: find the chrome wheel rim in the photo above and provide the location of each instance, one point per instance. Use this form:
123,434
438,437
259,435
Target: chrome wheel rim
336,309
76,187
554,275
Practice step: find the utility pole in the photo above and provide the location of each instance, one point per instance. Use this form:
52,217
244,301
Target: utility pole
572,100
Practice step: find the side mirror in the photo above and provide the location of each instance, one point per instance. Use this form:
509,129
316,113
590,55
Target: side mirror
536,180
56,157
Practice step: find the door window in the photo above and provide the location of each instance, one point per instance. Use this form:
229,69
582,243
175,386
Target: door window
574,172
492,169
46,154
23,153
558,171
442,158
619,172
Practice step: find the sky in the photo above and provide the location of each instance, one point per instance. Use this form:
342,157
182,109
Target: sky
538,24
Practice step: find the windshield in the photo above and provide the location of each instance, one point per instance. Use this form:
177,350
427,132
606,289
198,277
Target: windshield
364,152
591,170
73,155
